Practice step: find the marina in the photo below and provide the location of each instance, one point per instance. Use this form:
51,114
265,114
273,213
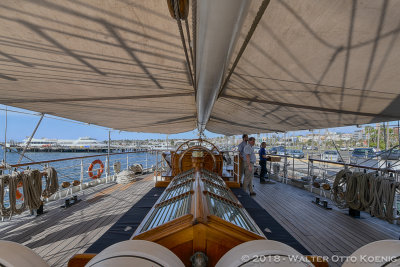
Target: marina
264,76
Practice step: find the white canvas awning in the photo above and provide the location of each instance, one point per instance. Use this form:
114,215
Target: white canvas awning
120,64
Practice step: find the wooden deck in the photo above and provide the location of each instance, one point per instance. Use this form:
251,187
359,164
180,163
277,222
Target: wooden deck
322,232
61,233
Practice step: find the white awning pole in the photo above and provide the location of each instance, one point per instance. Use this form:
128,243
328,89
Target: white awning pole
219,24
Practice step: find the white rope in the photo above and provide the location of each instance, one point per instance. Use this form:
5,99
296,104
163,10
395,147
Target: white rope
338,190
17,179
11,182
4,182
51,182
125,177
353,189
365,192
32,182
136,168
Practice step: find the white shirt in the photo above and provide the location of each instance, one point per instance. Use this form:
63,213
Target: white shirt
248,150
241,148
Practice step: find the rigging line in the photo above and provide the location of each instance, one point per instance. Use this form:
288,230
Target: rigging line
250,33
194,34
323,109
52,117
30,139
189,43
178,21
309,83
337,150
16,151
90,98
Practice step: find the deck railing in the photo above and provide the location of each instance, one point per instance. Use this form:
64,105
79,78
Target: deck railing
300,168
76,169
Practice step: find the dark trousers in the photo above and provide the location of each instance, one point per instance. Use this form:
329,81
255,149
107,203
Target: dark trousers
263,164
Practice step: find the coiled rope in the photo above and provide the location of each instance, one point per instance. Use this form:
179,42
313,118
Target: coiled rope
366,192
31,181
51,182
5,182
339,187
10,181
125,177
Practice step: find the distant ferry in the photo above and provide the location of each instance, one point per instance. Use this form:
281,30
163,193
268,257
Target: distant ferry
82,142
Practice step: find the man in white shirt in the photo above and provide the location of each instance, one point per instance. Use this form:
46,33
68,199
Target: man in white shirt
242,156
249,166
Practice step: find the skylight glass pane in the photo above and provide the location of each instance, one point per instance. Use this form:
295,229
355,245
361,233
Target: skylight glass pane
230,213
168,211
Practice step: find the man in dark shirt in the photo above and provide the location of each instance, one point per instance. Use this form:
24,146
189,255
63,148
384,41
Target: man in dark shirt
263,162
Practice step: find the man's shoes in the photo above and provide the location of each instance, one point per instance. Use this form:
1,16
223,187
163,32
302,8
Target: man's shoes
253,194
263,182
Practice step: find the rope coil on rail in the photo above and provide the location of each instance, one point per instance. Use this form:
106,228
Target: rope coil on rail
366,192
51,182
31,182
4,182
338,188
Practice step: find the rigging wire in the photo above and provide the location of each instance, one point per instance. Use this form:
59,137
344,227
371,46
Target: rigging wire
189,44
53,117
178,21
194,35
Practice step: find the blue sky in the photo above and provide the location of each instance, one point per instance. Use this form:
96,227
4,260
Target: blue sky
20,126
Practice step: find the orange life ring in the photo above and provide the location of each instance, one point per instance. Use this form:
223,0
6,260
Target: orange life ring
18,194
99,172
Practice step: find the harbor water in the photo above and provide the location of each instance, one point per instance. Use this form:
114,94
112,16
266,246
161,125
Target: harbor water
70,170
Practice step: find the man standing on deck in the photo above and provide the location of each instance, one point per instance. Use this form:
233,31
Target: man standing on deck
242,157
263,162
249,166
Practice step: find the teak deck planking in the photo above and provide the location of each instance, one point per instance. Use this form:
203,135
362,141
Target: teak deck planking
322,232
61,233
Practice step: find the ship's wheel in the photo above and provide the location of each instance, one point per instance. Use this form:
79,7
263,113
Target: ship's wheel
196,143
198,148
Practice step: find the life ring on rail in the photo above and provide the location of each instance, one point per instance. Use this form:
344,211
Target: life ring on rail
99,172
18,194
